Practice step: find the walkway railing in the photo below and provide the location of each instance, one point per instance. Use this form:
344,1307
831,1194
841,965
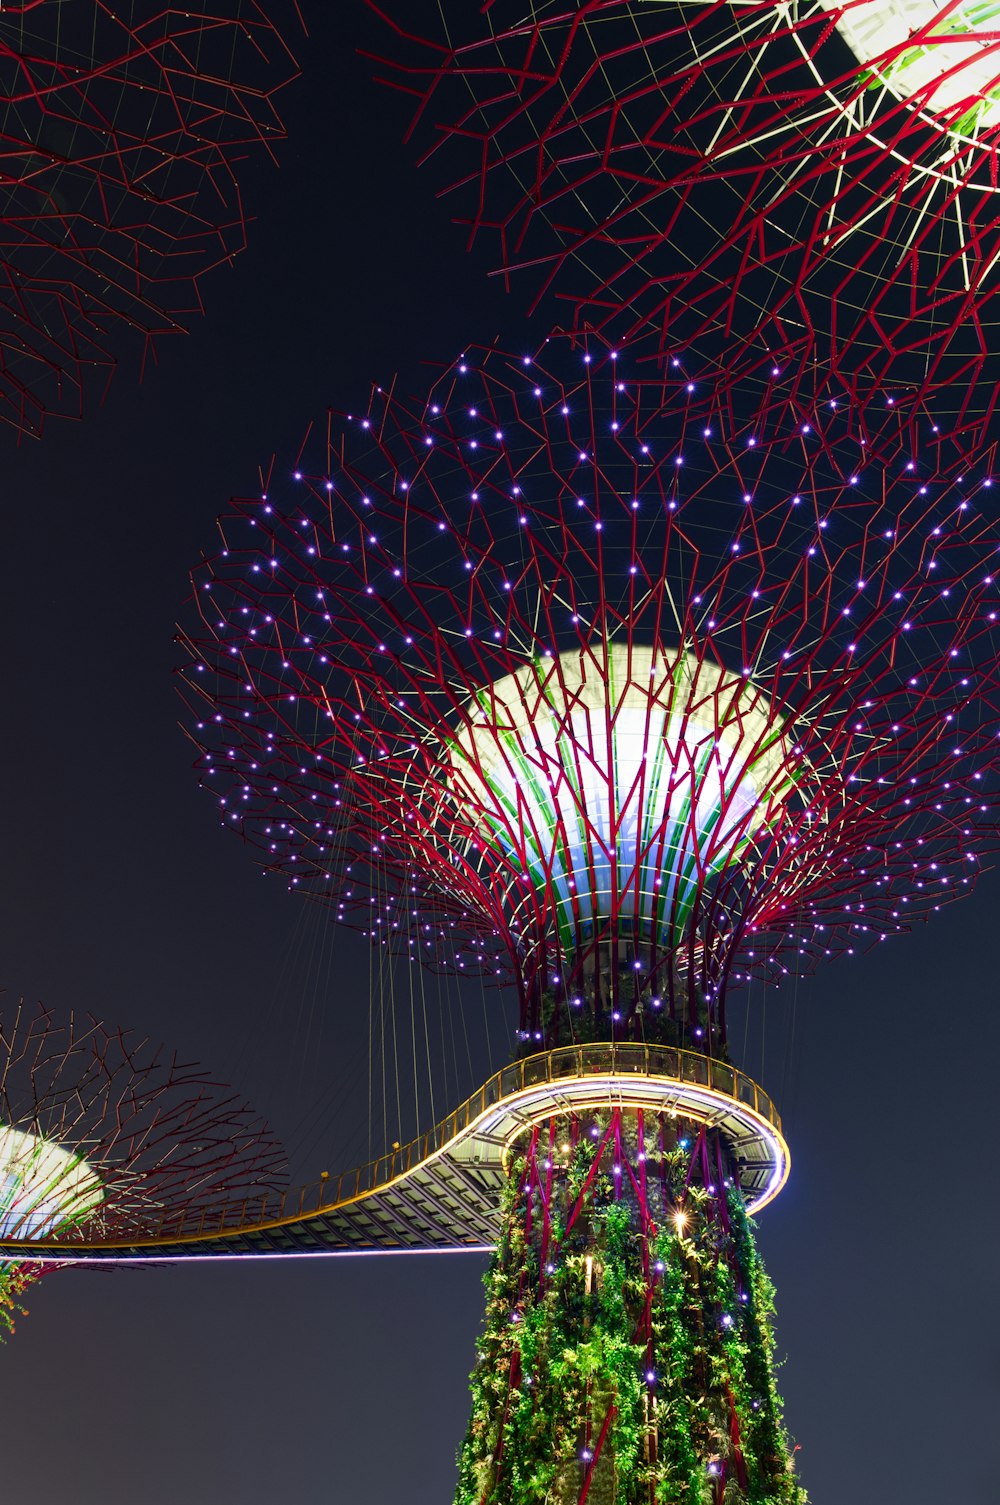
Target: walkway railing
550,1067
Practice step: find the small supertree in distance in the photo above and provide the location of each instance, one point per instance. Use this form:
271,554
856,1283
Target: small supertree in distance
807,180
620,697
123,129
104,1135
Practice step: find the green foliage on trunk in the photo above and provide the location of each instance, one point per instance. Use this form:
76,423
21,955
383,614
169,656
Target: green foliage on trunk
14,1281
613,1315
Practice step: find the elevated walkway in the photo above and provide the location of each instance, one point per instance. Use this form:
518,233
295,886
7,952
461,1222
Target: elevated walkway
442,1191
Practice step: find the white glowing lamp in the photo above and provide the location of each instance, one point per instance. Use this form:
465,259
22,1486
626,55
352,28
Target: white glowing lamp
943,57
43,1187
620,783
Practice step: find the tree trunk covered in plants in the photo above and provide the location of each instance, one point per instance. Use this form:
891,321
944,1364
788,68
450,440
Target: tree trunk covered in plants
14,1281
627,1356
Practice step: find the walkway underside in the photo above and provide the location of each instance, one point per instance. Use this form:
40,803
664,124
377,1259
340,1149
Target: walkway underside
443,1191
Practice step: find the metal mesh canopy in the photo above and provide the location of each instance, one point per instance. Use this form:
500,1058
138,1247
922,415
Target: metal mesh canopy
734,669
777,182
104,1133
122,131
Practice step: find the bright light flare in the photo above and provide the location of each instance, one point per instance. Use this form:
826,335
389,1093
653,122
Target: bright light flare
44,1187
945,59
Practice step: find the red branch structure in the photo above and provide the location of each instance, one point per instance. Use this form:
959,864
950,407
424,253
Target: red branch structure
781,182
607,688
160,1136
122,134
106,1135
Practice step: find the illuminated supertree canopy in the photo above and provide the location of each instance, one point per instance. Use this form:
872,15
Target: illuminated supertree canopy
124,128
103,1134
813,179
613,693
620,689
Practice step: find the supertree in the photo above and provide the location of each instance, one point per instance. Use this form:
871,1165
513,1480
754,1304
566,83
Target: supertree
795,182
123,131
546,677
103,1134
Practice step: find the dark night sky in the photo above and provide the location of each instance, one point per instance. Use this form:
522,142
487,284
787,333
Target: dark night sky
346,1379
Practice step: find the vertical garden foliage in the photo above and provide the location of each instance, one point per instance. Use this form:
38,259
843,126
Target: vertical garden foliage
14,1281
627,1356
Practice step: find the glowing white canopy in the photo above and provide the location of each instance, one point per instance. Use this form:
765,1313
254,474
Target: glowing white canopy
43,1187
955,64
621,781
